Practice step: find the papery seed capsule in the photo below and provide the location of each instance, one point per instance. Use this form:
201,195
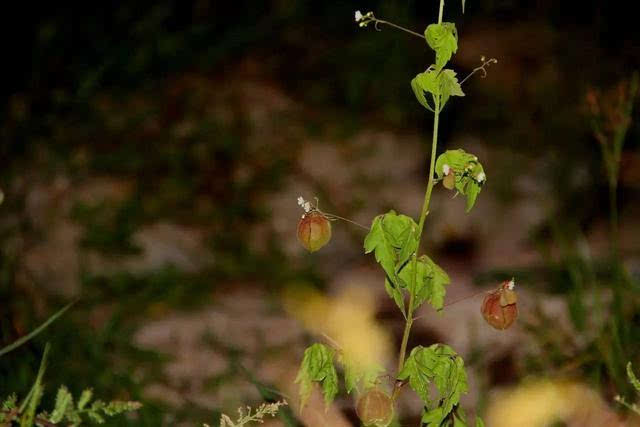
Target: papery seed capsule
375,408
499,308
449,181
314,230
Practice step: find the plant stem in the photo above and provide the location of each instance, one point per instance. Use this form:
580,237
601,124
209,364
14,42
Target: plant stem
440,12
431,182
423,215
391,24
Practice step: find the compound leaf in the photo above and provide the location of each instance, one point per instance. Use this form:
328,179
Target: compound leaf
317,366
443,38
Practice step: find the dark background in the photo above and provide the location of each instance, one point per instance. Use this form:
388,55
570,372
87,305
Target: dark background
191,127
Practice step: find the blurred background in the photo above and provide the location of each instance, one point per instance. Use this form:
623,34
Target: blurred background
152,152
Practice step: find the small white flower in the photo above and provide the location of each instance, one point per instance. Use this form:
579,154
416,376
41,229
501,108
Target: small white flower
481,177
511,285
300,201
358,16
307,206
446,169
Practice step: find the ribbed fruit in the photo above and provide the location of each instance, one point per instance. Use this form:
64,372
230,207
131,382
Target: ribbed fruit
314,231
375,408
499,308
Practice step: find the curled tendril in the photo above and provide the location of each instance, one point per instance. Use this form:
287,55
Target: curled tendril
369,17
482,68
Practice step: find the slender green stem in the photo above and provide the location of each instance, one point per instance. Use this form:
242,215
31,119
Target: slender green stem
431,182
440,12
423,215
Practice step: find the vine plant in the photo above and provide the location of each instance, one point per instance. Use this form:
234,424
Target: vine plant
435,373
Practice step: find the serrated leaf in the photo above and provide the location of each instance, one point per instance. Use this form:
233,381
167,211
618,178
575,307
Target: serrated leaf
85,397
440,365
393,240
449,85
430,282
419,93
443,38
632,378
317,366
64,400
469,173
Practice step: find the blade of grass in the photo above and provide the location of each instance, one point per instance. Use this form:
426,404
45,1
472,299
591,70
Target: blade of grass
35,393
36,331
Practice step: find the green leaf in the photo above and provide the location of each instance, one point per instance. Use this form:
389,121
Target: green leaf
469,173
440,365
64,401
85,397
317,366
116,407
632,378
430,282
31,402
479,422
443,38
393,240
10,402
419,92
449,85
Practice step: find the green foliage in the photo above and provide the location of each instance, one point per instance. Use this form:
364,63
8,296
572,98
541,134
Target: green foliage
632,378
393,240
317,366
440,84
248,415
430,282
443,38
468,172
440,365
64,409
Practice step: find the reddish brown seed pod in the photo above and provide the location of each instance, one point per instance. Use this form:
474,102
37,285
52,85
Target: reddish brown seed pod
375,408
499,307
314,230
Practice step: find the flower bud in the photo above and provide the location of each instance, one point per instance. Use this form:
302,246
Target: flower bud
499,308
314,230
375,408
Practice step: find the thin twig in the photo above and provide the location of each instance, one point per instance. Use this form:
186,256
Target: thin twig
391,24
455,302
332,216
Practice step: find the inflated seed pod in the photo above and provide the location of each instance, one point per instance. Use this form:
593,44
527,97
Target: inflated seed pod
499,307
314,230
375,408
